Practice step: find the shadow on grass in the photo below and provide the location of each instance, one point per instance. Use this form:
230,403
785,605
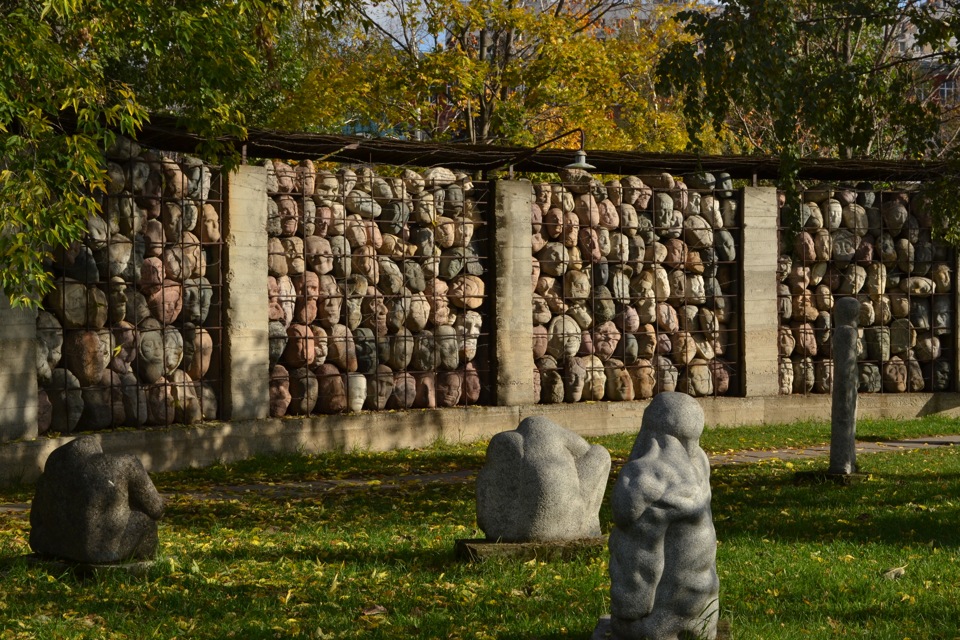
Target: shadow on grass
421,557
583,633
889,508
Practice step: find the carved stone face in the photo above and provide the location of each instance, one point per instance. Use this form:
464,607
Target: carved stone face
366,345
701,381
606,339
844,245
574,378
210,225
117,300
541,311
321,344
941,375
322,220
172,349
942,315
293,253
150,361
445,233
666,375
374,314
319,256
577,285
439,303
404,391
449,388
287,210
565,337
197,299
356,391
570,229
287,298
398,309
365,262
468,331
419,312
619,384
379,388
595,382
329,302
49,344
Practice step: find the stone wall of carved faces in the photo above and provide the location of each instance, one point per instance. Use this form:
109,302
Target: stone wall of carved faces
377,289
130,333
877,246
635,286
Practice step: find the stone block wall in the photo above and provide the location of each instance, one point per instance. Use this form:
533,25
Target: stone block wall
337,290
377,289
130,335
876,246
636,287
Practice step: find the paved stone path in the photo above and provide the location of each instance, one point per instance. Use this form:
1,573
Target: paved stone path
823,450
300,489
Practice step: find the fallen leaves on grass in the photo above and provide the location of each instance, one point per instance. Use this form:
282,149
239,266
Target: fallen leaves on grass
375,610
895,573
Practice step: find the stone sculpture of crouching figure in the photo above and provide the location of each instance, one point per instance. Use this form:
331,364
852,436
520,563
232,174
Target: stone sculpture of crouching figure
541,483
663,571
91,507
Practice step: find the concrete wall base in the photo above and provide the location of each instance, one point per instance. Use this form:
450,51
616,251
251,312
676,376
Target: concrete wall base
185,447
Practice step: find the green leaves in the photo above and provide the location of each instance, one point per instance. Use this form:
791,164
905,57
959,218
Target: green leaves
104,65
813,78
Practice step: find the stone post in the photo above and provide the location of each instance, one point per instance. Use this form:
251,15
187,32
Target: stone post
513,298
759,291
843,409
246,376
18,372
955,325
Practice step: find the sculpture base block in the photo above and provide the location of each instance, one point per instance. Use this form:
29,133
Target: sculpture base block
603,632
85,569
480,549
820,477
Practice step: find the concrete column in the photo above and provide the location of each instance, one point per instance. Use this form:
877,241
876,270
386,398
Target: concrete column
759,259
18,372
246,357
513,298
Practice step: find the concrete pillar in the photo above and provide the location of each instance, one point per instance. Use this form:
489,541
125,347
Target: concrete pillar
18,372
246,353
759,259
513,297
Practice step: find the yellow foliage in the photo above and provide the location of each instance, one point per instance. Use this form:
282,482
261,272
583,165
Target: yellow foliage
498,71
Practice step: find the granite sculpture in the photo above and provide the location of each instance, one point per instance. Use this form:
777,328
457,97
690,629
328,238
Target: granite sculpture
663,574
92,507
541,483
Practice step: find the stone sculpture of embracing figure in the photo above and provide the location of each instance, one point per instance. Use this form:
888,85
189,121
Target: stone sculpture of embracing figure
663,573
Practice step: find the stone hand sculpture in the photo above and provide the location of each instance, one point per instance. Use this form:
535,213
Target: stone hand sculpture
541,482
663,572
94,507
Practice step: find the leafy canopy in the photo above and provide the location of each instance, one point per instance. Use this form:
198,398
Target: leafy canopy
829,78
77,71
494,71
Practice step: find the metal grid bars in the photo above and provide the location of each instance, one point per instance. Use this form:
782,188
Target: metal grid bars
875,246
378,289
635,287
131,333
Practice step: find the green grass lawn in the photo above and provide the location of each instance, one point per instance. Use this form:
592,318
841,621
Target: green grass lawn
376,561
